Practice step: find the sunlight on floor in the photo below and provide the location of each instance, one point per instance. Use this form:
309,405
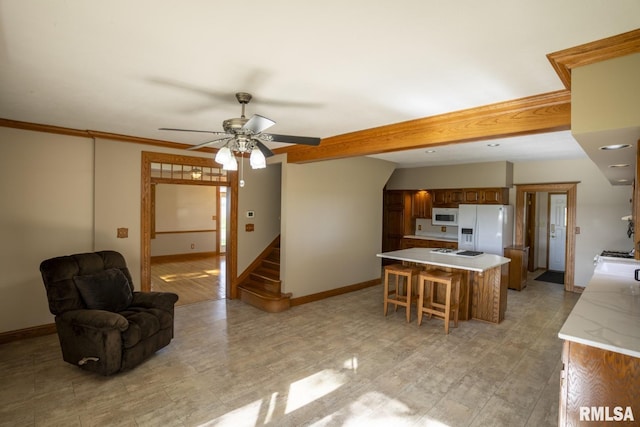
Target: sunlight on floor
369,409
193,275
313,387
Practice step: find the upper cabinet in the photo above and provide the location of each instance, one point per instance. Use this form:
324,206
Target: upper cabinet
421,204
451,198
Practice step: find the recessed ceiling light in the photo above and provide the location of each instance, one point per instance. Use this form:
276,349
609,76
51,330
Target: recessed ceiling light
430,151
620,165
493,144
622,180
615,147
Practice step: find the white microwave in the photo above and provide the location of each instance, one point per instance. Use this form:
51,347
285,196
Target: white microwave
444,216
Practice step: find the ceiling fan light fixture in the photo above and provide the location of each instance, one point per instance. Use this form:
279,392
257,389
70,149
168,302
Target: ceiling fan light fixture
257,160
231,164
223,155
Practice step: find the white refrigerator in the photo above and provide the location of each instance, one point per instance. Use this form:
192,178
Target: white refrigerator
485,228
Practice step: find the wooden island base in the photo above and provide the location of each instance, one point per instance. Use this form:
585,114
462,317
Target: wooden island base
483,295
485,278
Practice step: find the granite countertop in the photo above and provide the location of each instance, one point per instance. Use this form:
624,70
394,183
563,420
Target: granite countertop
607,315
478,263
438,237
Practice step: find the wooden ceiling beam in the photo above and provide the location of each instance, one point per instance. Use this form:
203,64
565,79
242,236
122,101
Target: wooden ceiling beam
535,114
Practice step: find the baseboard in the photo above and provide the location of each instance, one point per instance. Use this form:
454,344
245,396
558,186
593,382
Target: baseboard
333,292
21,334
182,257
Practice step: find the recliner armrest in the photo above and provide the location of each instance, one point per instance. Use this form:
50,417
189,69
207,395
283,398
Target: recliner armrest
162,300
99,319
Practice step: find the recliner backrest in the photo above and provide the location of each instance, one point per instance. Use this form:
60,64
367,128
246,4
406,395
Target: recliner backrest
58,273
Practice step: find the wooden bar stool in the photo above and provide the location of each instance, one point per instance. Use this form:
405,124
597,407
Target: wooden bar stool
427,300
400,275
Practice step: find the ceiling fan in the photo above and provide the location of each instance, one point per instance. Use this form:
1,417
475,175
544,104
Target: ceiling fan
242,135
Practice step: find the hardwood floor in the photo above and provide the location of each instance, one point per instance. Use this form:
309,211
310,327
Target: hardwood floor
194,279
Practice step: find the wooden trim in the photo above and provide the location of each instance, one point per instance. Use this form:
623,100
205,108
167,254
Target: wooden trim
571,189
86,133
182,257
148,157
563,61
185,231
334,292
188,182
21,334
534,114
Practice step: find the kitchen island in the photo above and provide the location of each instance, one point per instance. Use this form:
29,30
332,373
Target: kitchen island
483,289
600,379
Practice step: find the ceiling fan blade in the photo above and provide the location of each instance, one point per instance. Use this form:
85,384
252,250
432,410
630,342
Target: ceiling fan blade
265,150
193,130
206,144
304,140
258,123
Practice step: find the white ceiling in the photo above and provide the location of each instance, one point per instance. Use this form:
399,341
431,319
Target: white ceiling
318,69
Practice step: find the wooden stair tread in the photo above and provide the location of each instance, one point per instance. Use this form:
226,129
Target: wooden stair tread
249,287
261,286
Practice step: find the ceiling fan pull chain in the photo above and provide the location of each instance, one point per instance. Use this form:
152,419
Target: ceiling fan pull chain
242,168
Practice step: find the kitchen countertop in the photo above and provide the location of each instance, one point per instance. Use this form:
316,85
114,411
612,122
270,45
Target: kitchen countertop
441,238
428,256
607,315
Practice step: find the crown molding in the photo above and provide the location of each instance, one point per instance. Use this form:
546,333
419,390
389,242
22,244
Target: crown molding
563,61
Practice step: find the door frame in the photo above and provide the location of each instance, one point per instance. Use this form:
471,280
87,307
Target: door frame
571,189
149,157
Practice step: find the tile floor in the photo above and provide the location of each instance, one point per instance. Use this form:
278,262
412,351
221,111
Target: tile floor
336,362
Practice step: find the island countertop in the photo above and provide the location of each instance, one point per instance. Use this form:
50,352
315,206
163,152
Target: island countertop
607,315
478,263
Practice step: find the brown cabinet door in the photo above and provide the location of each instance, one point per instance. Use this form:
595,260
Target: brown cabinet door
440,198
456,197
493,196
472,196
421,204
396,218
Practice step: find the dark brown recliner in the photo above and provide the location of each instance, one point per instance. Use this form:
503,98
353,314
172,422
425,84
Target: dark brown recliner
103,325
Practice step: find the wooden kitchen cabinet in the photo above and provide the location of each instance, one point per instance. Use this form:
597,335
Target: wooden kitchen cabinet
496,196
451,198
601,379
408,242
519,256
396,218
421,204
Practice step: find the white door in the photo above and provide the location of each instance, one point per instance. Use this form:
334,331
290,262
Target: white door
557,231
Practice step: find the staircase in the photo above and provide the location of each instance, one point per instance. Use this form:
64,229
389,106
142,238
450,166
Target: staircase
260,285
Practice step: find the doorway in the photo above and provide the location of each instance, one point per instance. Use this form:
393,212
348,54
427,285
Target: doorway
178,166
569,190
188,238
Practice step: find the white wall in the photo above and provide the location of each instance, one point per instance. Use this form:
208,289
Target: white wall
47,210
331,223
487,174
600,206
184,208
260,194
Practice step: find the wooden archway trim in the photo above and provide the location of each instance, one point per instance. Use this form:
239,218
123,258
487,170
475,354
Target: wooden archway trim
145,216
571,189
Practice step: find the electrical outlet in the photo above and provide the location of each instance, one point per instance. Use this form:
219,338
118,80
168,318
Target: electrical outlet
443,229
249,227
193,246
123,233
